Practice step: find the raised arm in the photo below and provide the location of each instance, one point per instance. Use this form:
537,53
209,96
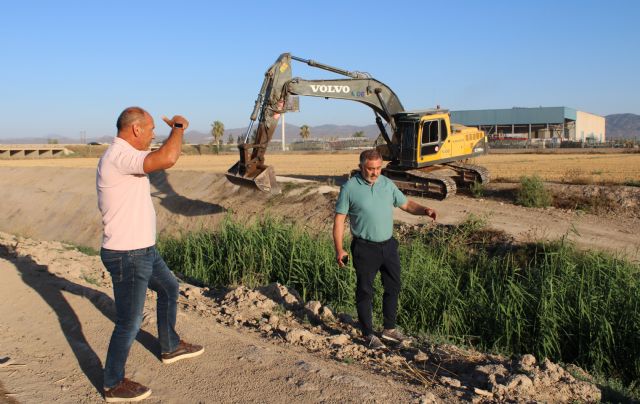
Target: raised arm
167,155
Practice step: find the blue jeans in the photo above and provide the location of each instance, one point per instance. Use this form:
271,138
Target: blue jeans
132,272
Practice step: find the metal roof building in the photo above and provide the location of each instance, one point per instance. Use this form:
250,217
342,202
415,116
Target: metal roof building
557,123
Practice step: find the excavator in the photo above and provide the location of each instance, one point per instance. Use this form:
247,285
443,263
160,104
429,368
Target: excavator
426,153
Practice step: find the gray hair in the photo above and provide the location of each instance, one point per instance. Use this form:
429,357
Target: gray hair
371,154
130,116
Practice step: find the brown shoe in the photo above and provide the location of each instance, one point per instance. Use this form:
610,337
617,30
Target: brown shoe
183,351
126,390
394,335
373,342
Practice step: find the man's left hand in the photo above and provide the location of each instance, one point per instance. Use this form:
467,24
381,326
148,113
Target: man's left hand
430,212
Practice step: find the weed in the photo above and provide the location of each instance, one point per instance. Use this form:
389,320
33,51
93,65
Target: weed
289,186
532,193
632,183
348,360
577,176
477,189
86,250
90,279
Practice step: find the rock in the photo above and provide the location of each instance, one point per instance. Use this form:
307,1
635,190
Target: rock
327,315
280,294
274,320
345,318
339,340
520,384
313,308
483,393
527,362
428,398
450,381
489,374
420,356
299,336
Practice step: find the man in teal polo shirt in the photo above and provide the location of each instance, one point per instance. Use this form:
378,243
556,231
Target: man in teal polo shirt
369,198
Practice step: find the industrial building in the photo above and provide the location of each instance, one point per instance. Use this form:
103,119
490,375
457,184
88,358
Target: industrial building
555,124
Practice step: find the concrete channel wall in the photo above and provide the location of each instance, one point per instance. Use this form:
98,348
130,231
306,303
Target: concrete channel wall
32,151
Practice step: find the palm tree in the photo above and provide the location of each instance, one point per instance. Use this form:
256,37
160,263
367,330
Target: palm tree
217,130
305,132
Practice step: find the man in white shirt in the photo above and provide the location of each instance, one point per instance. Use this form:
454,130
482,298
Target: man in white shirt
128,247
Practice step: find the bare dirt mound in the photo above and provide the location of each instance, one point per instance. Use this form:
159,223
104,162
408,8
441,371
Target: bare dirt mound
60,204
262,345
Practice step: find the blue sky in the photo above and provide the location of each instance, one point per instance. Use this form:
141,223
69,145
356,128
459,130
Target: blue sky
71,66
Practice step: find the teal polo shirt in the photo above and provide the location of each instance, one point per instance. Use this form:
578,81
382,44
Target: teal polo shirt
370,207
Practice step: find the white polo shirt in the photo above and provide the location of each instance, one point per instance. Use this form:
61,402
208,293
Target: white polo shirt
124,198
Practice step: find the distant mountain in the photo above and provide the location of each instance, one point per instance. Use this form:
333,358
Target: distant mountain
622,126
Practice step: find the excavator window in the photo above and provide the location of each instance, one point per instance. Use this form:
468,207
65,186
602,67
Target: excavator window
433,134
430,132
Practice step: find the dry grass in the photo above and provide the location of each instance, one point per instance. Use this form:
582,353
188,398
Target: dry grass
568,168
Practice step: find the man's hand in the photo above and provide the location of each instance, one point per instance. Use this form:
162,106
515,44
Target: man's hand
176,119
417,209
430,212
342,258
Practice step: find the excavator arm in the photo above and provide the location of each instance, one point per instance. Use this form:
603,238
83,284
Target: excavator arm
277,86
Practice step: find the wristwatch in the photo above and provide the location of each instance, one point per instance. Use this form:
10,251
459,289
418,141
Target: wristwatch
178,125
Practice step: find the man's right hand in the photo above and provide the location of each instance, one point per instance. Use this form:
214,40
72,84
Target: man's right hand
342,258
176,119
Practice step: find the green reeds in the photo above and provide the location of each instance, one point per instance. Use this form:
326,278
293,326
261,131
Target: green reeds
549,299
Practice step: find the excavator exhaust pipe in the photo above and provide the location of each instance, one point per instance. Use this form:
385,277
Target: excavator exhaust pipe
263,178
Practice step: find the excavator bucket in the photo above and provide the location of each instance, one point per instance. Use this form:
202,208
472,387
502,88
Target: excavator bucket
263,179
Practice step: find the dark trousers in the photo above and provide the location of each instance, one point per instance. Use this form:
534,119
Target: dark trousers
369,258
132,272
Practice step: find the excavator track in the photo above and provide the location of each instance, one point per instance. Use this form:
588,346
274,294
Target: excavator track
467,174
430,184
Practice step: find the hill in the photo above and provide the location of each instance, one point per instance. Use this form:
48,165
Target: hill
622,126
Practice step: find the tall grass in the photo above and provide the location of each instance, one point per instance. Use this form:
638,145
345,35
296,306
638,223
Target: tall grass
549,299
252,255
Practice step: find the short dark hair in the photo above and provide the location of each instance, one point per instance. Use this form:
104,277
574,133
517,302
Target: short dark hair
371,154
130,116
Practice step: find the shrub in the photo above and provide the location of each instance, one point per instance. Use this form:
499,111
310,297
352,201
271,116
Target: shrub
532,193
477,189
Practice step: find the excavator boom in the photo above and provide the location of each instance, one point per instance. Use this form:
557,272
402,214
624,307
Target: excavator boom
277,86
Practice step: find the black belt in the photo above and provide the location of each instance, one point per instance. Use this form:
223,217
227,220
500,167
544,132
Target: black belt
372,242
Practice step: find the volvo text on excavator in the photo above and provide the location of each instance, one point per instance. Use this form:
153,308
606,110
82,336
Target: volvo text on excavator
426,152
